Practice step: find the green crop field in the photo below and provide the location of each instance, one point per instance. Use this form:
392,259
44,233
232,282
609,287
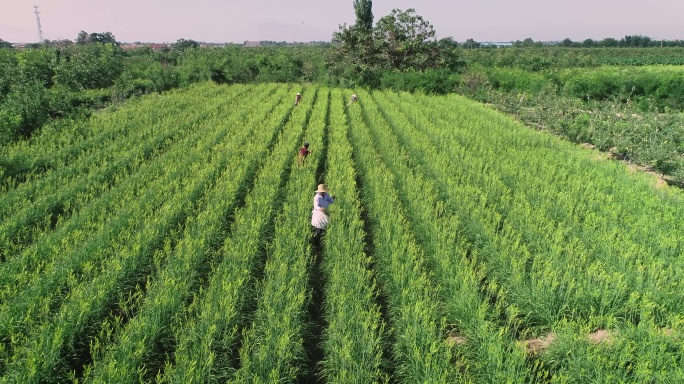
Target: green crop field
168,239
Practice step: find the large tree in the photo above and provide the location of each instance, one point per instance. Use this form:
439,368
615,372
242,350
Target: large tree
354,57
401,41
470,43
364,14
183,44
449,55
84,38
89,67
406,41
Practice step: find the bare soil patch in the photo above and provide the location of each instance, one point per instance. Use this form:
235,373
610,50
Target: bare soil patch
539,345
600,336
456,338
672,333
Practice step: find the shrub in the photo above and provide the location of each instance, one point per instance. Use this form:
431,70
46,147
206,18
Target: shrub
429,82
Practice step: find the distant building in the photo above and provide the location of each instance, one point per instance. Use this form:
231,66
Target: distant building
252,43
130,46
497,44
154,46
157,47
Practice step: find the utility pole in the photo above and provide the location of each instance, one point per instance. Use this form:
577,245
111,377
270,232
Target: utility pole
40,30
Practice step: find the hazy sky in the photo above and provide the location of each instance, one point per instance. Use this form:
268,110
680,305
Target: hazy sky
314,20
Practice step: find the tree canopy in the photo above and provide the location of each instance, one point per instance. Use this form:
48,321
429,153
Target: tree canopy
406,41
85,38
182,44
401,41
364,14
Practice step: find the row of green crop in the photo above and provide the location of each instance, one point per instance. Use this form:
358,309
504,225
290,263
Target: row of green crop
36,207
420,149
66,142
272,347
354,339
538,199
100,222
206,340
132,257
58,338
144,343
94,158
488,353
46,262
418,349
547,224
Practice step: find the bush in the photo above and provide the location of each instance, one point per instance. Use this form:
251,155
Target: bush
517,80
430,82
24,110
650,87
90,67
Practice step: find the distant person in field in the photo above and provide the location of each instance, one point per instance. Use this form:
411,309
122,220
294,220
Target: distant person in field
352,99
304,151
319,215
298,98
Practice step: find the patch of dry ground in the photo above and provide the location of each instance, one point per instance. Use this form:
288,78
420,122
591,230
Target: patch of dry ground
600,336
539,345
456,338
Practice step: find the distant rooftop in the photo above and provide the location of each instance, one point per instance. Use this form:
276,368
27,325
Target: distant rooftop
497,43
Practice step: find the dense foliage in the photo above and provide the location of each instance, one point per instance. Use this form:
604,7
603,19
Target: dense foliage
400,42
39,84
541,58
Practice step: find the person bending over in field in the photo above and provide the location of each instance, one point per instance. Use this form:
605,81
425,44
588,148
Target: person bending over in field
298,98
352,99
303,153
319,215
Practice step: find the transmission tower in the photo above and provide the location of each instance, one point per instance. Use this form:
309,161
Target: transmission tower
40,30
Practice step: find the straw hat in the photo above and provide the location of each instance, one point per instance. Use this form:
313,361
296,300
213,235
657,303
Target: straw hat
299,94
322,188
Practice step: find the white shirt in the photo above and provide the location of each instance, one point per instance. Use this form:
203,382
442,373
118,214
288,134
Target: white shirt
318,218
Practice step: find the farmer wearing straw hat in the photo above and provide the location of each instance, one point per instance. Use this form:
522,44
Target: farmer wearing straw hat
319,217
352,99
298,98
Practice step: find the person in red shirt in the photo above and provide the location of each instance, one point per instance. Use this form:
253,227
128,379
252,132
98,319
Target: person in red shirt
304,151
